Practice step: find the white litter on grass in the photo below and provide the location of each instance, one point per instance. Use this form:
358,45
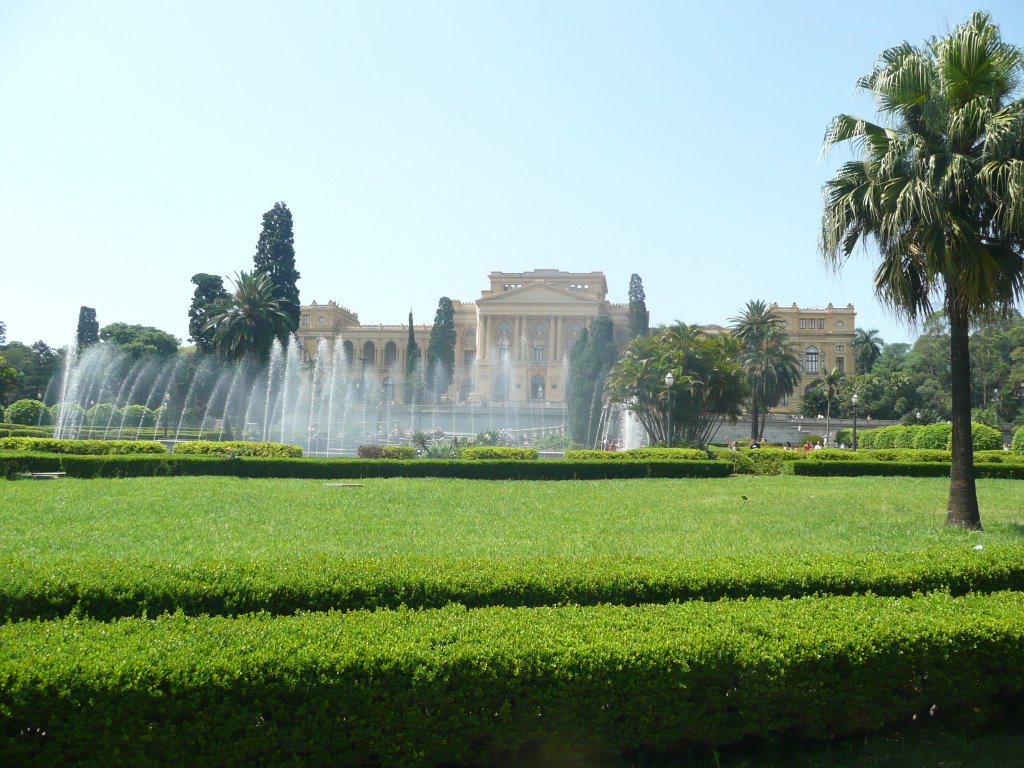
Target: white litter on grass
978,546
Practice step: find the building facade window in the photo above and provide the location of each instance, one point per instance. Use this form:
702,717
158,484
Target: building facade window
841,364
811,360
821,323
803,323
538,353
840,348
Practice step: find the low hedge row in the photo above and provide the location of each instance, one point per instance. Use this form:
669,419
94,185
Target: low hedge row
458,687
119,588
497,453
913,455
340,469
863,468
14,463
83,447
237,448
376,451
642,454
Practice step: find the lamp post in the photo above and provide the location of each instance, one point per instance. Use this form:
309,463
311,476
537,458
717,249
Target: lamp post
670,379
853,400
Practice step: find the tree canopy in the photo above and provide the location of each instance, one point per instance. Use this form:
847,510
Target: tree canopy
709,386
209,293
245,323
772,370
139,340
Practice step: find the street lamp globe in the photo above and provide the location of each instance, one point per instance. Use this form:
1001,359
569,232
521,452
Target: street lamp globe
670,379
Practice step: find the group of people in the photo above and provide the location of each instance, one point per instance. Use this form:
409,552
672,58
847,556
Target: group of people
761,442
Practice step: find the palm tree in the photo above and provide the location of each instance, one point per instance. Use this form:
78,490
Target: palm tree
941,194
246,322
829,383
772,371
867,348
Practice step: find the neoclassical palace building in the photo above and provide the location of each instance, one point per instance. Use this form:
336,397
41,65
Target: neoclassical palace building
514,341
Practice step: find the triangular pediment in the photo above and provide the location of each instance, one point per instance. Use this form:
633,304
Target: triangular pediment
538,293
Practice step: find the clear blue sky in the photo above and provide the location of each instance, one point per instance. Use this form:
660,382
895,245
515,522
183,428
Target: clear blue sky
422,145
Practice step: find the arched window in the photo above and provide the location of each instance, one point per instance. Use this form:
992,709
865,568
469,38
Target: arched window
540,330
369,354
469,338
350,352
390,353
389,390
811,360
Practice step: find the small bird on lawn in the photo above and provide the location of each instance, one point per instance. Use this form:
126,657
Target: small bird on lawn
745,498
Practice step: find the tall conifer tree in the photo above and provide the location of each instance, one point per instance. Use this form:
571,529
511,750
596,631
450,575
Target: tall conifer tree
412,387
275,256
88,328
638,316
440,368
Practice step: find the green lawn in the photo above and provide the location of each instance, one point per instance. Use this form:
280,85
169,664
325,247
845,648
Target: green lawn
187,519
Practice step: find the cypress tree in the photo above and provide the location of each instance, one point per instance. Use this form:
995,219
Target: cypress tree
412,389
589,363
88,328
440,369
638,317
275,256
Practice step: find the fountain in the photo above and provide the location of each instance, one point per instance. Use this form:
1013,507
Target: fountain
329,404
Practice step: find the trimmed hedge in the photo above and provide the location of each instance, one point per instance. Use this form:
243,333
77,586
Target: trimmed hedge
233,448
458,687
1017,446
11,464
339,469
865,468
377,451
83,447
643,454
118,588
497,453
27,412
17,430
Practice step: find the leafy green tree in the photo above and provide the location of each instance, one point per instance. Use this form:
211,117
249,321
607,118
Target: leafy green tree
939,190
88,332
412,385
709,387
245,323
638,317
139,340
440,368
35,366
3,333
591,359
275,256
208,294
867,347
773,372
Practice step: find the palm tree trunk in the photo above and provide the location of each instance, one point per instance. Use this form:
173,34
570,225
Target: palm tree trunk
963,496
754,420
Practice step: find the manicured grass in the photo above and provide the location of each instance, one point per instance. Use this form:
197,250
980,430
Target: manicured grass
186,519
